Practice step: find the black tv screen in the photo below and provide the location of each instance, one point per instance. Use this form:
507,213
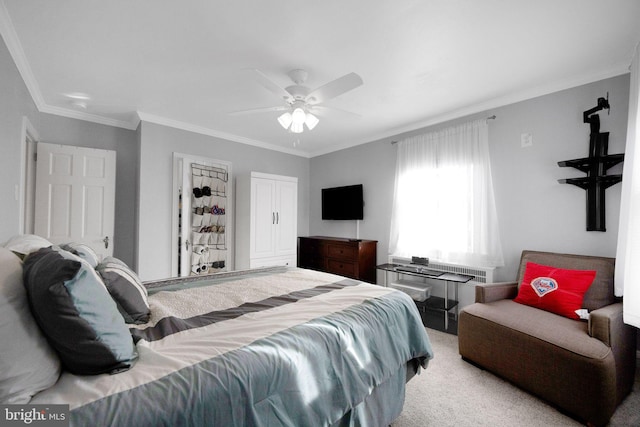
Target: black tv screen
343,202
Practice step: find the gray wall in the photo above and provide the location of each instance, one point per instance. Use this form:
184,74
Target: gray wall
158,143
15,103
534,210
372,165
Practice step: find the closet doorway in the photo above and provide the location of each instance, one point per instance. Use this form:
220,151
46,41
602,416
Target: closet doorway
27,191
202,219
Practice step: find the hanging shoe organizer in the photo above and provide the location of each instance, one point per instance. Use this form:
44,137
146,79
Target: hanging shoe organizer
208,219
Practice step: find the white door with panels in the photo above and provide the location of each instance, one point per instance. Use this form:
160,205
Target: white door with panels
267,220
75,196
286,219
263,217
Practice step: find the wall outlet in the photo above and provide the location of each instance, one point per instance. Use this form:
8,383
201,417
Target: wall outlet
526,140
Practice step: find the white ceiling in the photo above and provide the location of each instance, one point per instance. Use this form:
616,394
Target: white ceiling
186,63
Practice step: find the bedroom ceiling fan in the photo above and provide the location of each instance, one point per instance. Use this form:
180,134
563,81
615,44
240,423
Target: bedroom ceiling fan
300,102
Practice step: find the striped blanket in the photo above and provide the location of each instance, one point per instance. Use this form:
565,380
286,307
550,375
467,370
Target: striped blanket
276,347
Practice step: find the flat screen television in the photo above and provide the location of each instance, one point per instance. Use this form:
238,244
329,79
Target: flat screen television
343,202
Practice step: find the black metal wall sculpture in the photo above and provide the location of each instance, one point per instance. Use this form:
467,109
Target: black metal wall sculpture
596,167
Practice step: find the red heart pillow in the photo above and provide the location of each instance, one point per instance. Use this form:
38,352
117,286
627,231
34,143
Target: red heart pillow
554,289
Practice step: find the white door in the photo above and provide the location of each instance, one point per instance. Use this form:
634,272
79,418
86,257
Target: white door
263,218
183,178
286,217
75,196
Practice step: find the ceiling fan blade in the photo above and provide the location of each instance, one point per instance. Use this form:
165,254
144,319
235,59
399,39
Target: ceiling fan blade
270,85
259,110
322,110
334,88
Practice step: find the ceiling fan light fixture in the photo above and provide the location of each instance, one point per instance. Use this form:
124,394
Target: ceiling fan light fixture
311,121
297,127
298,116
299,98
285,120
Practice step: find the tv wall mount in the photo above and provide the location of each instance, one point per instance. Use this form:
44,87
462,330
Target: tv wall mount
596,167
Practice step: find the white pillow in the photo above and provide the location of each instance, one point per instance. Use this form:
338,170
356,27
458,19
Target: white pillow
27,363
26,243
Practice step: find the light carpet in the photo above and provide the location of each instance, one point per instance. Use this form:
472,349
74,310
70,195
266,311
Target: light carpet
452,392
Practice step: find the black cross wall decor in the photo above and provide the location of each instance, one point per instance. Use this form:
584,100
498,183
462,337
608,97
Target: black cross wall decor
596,167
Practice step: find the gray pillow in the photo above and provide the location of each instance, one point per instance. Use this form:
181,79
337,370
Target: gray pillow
83,251
76,313
126,289
28,364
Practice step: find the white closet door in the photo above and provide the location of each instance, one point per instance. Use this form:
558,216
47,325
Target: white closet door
286,217
263,218
184,178
75,196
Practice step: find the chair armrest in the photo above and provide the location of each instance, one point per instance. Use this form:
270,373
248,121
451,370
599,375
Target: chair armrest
496,291
607,325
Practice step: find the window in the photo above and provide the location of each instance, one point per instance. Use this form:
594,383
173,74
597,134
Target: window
443,206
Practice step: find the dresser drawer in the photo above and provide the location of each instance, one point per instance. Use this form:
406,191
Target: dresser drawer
348,253
314,263
342,268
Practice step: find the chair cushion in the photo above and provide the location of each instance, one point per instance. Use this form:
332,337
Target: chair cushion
548,355
541,325
553,289
599,294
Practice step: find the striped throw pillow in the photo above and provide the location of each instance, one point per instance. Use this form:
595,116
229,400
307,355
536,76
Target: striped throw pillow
126,289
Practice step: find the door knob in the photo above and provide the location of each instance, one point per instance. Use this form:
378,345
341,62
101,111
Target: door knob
106,242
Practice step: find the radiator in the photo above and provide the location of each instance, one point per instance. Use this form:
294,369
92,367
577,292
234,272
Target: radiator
466,291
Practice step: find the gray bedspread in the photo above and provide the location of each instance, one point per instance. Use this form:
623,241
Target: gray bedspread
287,347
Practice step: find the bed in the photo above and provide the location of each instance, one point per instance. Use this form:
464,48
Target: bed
267,347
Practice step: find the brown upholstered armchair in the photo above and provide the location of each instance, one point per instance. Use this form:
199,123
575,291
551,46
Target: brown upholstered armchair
585,368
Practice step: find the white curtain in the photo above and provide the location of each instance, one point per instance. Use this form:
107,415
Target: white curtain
443,205
628,251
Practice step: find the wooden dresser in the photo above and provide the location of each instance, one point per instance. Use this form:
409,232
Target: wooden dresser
346,257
